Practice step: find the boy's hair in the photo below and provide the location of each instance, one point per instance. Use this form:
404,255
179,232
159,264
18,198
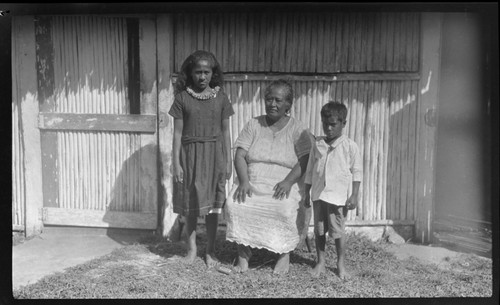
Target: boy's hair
184,77
334,108
283,83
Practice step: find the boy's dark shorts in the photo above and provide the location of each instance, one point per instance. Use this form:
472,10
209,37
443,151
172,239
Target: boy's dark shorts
329,218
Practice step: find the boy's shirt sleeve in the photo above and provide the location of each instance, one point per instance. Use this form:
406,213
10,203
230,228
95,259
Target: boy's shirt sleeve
356,163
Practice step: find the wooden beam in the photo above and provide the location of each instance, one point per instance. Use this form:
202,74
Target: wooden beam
168,226
143,123
24,93
148,192
329,77
431,27
99,218
45,76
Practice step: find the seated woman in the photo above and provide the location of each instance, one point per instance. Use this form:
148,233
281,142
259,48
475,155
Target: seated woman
272,152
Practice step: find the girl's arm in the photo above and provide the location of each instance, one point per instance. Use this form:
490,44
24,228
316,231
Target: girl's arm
227,148
176,151
283,188
241,166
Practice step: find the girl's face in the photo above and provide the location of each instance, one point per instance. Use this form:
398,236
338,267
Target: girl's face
332,126
201,75
276,105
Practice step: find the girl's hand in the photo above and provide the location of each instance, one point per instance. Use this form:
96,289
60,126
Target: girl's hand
307,201
352,202
282,189
178,174
242,191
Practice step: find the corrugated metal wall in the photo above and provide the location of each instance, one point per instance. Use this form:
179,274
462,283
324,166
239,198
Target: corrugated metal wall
97,170
301,42
382,108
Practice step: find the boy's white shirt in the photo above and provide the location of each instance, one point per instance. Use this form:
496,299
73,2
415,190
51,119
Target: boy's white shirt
332,169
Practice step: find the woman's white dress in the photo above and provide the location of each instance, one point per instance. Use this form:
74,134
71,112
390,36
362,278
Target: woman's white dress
262,221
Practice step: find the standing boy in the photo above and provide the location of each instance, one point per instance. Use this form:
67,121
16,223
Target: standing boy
334,166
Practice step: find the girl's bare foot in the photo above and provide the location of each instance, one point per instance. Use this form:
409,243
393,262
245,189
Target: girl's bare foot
283,264
211,261
318,269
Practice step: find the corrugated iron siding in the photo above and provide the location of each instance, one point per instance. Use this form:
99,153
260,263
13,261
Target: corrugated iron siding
97,170
382,113
302,42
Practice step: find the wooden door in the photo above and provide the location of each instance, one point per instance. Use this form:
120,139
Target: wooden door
98,120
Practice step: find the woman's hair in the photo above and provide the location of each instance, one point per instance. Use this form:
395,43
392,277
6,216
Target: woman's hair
184,77
283,83
334,108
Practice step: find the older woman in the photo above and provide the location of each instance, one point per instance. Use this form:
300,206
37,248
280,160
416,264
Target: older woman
272,152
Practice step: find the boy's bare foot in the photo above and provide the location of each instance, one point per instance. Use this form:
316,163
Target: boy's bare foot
318,269
283,264
188,259
211,261
342,273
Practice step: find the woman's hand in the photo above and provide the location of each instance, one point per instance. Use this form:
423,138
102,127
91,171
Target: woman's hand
242,191
282,189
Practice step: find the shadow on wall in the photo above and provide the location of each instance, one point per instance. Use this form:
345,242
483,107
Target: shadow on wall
132,202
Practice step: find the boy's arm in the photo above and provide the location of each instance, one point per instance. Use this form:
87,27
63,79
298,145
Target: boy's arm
352,201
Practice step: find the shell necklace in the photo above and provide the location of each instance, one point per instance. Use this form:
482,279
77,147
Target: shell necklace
203,96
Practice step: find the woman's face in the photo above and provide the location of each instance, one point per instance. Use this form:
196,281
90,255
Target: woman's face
276,105
201,75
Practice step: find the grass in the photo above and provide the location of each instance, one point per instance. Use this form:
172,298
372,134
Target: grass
143,271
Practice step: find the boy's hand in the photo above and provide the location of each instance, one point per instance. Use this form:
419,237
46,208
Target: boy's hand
352,202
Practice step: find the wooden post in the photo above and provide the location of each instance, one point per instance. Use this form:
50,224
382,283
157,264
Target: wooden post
168,226
431,26
24,89
148,194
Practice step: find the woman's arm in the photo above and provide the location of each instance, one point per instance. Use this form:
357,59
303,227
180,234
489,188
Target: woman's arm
283,188
227,148
178,172
241,166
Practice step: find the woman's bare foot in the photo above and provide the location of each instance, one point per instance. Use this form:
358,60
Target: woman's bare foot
211,260
283,264
318,269
244,255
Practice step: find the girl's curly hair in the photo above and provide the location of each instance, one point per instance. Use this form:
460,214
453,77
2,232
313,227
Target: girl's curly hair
184,78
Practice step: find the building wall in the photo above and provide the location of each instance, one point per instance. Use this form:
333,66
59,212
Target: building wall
461,185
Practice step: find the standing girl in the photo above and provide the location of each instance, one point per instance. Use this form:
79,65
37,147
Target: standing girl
201,151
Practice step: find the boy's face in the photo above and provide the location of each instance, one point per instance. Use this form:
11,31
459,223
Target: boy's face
332,126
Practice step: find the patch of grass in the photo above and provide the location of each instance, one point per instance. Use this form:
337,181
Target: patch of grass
144,271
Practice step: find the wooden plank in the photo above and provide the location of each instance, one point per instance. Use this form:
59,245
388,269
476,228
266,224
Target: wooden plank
262,43
97,122
344,58
283,43
370,42
45,76
245,46
165,31
312,32
302,42
328,77
390,43
405,119
387,222
327,34
274,43
358,26
99,218
408,42
383,39
431,27
24,88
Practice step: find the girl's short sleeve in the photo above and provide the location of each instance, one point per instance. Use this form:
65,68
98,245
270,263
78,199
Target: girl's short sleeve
227,108
246,136
177,108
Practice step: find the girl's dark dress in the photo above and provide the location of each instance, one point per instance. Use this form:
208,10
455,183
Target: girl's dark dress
202,156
